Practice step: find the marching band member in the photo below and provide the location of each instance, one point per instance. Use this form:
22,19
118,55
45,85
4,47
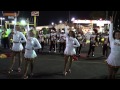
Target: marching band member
5,39
71,44
41,39
92,46
62,41
80,39
113,59
18,39
105,46
96,39
31,45
53,37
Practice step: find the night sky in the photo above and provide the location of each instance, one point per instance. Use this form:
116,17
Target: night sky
46,17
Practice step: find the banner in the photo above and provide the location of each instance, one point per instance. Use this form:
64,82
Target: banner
35,13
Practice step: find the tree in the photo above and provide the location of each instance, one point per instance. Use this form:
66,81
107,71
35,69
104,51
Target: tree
98,14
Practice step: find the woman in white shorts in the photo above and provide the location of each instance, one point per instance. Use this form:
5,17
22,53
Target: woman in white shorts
113,60
71,44
18,39
31,45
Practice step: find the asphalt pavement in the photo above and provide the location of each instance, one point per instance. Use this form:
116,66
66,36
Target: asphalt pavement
50,66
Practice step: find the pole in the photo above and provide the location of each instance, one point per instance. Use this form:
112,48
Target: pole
1,21
69,16
34,21
106,15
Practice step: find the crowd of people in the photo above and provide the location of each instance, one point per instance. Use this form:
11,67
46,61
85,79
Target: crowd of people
67,40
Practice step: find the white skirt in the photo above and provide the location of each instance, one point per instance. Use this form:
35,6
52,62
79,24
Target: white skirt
30,54
17,47
114,59
69,51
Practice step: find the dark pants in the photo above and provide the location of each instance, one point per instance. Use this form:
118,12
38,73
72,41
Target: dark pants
91,49
42,45
52,45
62,46
78,50
105,50
2,42
6,42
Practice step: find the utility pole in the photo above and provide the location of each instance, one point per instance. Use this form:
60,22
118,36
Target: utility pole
106,15
35,21
69,16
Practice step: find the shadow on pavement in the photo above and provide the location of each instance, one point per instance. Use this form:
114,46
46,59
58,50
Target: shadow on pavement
45,75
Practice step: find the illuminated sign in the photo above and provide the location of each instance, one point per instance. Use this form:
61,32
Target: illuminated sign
10,13
35,13
98,22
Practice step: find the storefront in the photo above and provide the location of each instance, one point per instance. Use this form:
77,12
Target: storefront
89,25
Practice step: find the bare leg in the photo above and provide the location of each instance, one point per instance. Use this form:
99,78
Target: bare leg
32,67
13,62
26,69
70,64
65,65
111,71
20,62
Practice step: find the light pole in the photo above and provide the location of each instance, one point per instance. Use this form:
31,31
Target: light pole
60,21
1,20
52,23
69,17
106,15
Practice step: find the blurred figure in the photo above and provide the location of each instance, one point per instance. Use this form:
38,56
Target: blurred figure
53,37
41,39
30,54
80,39
5,39
113,59
70,52
62,41
92,46
18,38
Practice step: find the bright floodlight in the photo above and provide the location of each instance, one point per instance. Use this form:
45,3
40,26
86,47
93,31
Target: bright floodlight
60,21
2,18
23,22
52,23
72,19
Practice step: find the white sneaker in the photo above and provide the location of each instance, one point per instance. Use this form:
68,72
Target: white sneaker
11,70
54,51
